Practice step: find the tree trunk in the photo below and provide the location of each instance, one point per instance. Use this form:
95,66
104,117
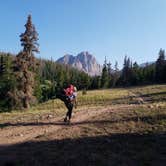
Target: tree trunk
26,103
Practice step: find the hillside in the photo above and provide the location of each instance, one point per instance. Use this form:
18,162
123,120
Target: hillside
109,127
84,61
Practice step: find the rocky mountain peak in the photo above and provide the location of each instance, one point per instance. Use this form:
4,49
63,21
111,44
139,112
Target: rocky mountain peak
84,61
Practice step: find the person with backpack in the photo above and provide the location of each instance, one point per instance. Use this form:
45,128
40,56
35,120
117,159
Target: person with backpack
71,94
68,96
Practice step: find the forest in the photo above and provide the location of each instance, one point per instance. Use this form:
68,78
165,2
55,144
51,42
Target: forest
26,80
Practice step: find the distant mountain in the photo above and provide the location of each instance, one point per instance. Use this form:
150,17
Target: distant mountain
84,61
146,64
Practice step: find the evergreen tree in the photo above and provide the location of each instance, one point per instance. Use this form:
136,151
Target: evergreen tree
116,75
29,38
160,67
7,80
127,71
25,66
135,74
104,75
95,82
110,74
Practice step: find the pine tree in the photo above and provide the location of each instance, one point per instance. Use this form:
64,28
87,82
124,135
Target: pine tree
105,76
110,74
160,67
95,82
7,80
127,71
116,75
29,38
26,65
135,74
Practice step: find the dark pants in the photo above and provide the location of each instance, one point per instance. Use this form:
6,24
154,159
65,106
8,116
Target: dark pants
68,104
70,108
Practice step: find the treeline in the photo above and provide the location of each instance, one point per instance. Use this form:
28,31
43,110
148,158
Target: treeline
132,74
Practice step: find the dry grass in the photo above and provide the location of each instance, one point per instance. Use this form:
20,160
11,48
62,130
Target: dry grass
155,95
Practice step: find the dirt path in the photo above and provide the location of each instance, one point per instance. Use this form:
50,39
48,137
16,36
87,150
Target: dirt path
14,133
26,131
48,141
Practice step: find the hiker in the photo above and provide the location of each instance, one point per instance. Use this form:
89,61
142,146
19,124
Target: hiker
68,96
71,94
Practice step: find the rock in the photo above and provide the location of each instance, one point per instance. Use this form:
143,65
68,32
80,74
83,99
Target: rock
150,106
140,100
49,116
21,135
84,61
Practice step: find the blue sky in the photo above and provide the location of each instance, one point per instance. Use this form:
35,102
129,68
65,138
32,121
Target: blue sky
111,28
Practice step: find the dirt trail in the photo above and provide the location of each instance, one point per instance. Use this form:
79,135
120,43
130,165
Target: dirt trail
19,132
26,131
49,141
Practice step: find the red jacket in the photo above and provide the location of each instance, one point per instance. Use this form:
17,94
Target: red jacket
69,91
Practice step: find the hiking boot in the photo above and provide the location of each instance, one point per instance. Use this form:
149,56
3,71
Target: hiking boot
69,122
65,120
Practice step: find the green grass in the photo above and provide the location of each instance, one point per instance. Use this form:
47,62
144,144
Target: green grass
101,97
154,94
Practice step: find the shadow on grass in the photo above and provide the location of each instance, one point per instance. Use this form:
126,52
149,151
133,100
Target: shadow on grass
151,119
154,97
154,94
151,97
114,150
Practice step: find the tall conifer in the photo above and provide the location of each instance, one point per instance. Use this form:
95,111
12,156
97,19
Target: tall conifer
26,65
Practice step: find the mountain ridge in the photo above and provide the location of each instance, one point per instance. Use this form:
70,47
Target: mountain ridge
83,61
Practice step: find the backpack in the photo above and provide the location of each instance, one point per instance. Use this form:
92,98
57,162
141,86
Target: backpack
69,91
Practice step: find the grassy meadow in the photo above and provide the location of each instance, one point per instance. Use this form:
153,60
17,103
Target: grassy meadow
144,98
